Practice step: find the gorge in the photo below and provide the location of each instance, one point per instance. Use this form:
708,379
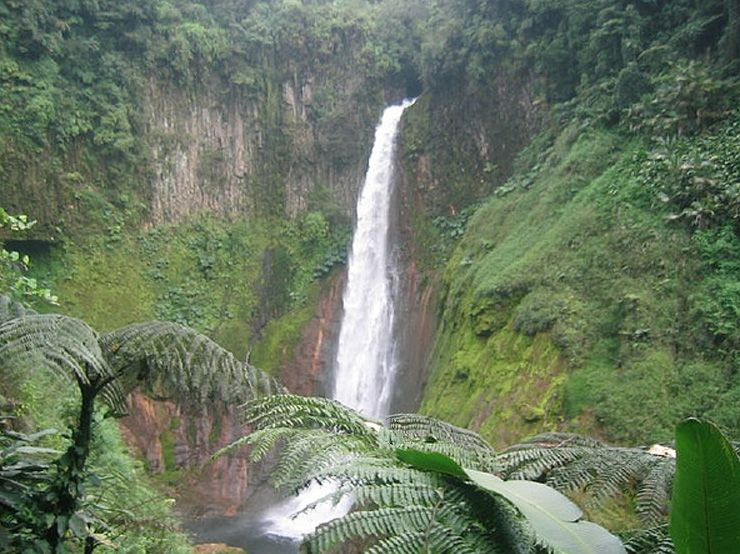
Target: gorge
565,209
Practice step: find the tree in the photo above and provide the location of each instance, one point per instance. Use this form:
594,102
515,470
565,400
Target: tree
172,359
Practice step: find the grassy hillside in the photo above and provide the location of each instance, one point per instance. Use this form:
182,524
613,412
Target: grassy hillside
592,293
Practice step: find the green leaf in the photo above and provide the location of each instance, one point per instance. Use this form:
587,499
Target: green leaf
78,526
705,509
431,461
553,517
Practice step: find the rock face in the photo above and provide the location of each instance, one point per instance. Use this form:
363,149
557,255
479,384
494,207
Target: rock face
309,372
174,438
458,145
180,440
234,156
461,143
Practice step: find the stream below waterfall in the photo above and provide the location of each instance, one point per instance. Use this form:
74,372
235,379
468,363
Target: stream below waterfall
366,361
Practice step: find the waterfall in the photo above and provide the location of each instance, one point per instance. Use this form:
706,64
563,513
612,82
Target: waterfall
365,362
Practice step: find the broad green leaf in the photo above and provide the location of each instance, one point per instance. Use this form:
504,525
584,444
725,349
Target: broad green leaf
553,517
78,526
705,509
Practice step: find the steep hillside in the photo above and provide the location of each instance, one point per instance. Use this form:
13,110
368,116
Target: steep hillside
596,289
581,297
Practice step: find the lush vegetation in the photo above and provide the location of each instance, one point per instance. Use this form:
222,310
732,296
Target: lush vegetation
46,504
421,485
571,174
598,264
595,289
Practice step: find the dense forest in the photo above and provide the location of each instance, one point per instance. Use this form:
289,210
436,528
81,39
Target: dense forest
178,181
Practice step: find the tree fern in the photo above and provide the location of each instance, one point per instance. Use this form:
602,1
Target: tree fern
169,359
177,361
65,345
397,505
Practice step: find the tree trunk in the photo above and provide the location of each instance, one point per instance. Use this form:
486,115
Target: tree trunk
68,487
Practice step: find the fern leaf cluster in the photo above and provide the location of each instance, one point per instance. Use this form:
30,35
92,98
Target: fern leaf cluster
66,346
570,462
177,361
654,540
167,359
432,435
397,507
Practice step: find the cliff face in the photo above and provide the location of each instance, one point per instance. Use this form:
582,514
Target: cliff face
456,147
460,143
177,443
308,371
220,152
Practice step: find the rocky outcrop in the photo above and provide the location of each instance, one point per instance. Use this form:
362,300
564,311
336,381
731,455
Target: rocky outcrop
461,143
309,371
180,440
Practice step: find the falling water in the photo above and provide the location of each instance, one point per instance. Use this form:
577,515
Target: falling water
365,363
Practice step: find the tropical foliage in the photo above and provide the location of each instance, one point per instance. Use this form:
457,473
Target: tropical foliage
168,358
705,513
422,483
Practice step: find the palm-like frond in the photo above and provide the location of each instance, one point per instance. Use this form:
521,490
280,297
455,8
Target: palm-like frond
654,540
290,410
398,507
431,435
166,358
65,345
570,462
177,361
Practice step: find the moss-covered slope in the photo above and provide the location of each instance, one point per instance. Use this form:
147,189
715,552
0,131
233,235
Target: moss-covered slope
581,297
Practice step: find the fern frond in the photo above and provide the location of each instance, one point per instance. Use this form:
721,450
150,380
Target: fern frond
415,427
558,440
569,462
618,471
376,469
177,361
408,543
65,345
535,463
436,538
370,523
395,494
472,459
654,540
310,454
654,492
291,410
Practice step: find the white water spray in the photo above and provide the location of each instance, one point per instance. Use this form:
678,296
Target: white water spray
365,363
